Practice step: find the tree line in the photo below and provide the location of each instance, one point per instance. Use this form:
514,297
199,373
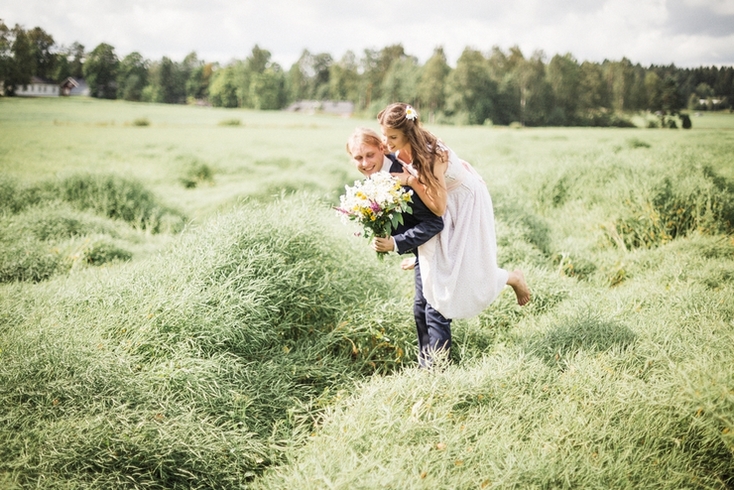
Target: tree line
498,86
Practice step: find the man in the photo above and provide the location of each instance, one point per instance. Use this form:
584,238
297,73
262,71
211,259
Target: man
434,331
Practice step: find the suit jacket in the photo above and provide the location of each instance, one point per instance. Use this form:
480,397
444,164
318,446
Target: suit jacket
417,228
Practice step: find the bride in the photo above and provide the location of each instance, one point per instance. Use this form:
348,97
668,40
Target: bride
459,265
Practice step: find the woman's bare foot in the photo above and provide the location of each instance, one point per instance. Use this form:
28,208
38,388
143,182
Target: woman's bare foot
522,291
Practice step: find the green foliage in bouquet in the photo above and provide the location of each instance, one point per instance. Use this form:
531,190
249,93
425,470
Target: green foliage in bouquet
377,204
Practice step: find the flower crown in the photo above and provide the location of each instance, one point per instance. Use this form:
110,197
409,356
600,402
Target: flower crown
410,113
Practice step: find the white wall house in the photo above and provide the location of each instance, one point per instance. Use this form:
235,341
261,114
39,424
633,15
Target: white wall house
38,88
338,108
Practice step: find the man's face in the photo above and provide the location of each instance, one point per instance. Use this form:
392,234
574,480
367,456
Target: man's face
394,139
367,158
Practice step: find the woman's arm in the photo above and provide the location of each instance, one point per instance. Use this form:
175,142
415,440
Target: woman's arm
434,199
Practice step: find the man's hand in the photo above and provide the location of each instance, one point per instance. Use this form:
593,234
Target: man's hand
407,263
380,244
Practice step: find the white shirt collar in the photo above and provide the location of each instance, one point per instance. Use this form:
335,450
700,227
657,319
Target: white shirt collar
386,164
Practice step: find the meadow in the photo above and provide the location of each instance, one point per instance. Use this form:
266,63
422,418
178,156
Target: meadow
180,307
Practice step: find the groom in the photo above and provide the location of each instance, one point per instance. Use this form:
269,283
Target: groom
434,331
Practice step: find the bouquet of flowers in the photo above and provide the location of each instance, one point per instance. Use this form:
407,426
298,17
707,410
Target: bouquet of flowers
377,203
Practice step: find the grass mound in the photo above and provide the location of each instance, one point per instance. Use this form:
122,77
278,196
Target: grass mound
54,226
199,368
110,196
616,389
682,201
118,198
642,203
42,241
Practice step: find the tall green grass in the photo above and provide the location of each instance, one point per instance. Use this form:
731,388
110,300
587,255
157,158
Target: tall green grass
52,226
623,388
265,347
199,368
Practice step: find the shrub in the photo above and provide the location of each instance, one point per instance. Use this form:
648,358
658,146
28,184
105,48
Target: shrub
196,174
27,260
99,251
637,143
141,121
57,221
230,122
118,198
111,196
685,200
587,332
686,121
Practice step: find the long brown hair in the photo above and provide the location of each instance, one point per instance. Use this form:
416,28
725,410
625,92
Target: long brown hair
423,143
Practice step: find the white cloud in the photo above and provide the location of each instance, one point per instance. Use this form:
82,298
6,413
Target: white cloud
684,32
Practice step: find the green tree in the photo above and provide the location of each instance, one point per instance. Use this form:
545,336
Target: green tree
671,99
100,71
267,89
592,89
195,77
471,90
166,81
400,82
564,77
244,73
507,101
297,80
375,65
6,59
620,77
62,65
197,86
223,87
653,90
320,86
704,90
535,94
344,78
77,62
44,58
638,99
19,66
431,89
132,77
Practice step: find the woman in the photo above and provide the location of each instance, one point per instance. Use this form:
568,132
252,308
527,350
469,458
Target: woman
459,266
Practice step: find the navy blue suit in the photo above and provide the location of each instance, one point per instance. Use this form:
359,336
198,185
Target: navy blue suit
434,331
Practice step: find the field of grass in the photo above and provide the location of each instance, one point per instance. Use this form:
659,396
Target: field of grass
181,308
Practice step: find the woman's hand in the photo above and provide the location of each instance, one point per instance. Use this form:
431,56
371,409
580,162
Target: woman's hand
404,178
380,244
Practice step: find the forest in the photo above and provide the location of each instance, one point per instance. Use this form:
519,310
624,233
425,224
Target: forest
497,86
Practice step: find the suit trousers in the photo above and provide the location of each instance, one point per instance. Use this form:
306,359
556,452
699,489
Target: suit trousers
434,330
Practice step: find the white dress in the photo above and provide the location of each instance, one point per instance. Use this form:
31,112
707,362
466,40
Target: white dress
459,265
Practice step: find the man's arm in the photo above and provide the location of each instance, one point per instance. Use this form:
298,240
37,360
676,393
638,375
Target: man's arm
428,225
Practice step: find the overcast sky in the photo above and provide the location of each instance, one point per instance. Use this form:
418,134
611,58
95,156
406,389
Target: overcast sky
688,33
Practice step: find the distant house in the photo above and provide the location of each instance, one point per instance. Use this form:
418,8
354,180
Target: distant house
338,108
74,86
38,88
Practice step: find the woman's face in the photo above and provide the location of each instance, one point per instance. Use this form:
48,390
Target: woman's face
394,139
367,158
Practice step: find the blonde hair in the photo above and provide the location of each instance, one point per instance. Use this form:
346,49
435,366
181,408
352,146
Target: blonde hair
364,136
